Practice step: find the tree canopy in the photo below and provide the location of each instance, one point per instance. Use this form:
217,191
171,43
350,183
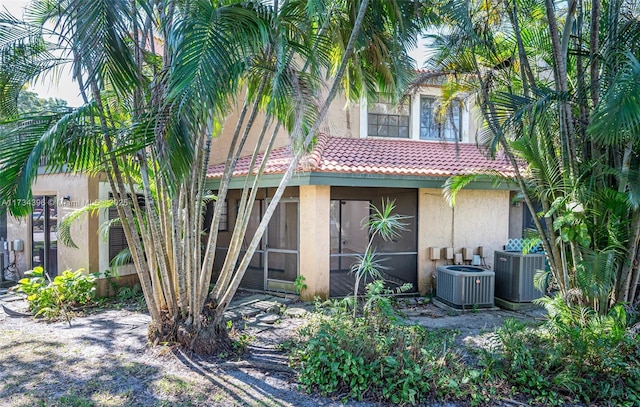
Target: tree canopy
556,87
158,79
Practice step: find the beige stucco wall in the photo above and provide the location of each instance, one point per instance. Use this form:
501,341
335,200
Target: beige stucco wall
479,218
516,215
314,240
81,190
342,121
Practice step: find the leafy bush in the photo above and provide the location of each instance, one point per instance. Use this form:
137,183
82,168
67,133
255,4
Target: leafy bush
576,355
70,289
129,293
375,357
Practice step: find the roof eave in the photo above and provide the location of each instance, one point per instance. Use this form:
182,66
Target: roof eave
337,179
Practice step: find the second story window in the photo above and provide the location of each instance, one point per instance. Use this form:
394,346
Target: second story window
433,129
385,119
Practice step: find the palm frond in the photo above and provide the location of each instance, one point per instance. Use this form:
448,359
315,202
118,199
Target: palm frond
596,273
617,116
382,222
222,37
24,56
65,224
454,184
123,258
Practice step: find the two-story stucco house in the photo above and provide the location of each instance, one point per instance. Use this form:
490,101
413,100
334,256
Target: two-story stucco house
367,153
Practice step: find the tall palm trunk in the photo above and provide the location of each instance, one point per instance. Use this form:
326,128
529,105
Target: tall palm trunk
244,264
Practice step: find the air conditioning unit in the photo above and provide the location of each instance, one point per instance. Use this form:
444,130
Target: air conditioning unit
514,275
463,286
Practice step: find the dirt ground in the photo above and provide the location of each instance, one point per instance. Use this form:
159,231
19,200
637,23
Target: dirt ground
102,359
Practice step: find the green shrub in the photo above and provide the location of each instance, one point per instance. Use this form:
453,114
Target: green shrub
576,355
69,289
377,358
129,293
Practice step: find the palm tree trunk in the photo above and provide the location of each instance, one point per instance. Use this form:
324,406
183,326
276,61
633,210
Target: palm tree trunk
231,258
526,73
155,240
559,50
232,158
233,287
594,39
627,279
548,238
126,215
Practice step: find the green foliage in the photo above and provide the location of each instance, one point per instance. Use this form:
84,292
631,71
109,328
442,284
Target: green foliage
379,302
65,224
240,339
381,223
529,244
129,293
299,284
375,357
48,299
30,102
577,355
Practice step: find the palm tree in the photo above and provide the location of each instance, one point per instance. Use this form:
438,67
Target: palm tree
556,85
158,77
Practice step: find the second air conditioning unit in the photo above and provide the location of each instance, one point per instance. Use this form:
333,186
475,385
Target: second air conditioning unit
514,275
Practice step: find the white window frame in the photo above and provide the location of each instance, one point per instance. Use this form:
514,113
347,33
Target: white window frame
414,119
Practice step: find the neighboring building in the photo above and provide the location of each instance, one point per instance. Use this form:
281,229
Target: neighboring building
54,195
365,154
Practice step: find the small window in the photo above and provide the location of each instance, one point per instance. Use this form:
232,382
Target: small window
117,238
385,119
448,128
223,225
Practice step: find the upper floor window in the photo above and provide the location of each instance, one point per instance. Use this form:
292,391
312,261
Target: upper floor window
385,119
432,129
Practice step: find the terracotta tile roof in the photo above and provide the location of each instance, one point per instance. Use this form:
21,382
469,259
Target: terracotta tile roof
383,157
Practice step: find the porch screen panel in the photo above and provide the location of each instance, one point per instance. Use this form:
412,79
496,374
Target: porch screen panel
253,278
349,238
283,266
406,241
282,243
283,227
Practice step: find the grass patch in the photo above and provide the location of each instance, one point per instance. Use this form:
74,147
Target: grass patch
71,399
181,391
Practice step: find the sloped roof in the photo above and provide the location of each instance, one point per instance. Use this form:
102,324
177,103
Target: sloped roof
381,157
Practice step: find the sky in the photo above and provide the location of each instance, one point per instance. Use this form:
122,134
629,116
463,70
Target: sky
65,89
68,90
